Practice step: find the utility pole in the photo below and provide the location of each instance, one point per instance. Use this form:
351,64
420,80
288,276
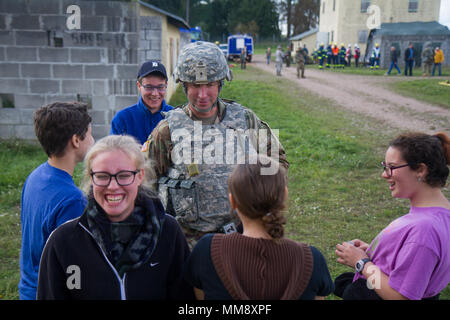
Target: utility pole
187,11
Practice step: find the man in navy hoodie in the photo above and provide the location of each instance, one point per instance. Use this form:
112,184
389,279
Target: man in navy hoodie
140,119
409,59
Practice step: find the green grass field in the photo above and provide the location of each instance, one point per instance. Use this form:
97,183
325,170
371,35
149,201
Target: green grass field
427,90
335,188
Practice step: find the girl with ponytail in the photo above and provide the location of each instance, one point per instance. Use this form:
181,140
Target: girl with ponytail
260,263
410,258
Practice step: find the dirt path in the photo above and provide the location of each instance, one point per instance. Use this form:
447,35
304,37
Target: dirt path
368,95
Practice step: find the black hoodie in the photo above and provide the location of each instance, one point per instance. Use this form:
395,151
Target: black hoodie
75,266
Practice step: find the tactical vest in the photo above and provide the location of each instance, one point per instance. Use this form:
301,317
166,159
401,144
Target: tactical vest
195,188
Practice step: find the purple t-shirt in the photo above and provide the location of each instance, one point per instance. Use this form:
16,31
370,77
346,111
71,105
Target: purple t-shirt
414,251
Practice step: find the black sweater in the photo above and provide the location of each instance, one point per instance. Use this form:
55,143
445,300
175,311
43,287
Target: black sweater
73,266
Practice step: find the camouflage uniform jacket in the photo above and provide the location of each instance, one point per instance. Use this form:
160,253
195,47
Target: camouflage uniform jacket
196,192
300,57
428,55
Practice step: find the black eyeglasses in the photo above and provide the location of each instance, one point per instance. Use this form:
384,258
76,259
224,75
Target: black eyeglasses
149,88
123,178
389,169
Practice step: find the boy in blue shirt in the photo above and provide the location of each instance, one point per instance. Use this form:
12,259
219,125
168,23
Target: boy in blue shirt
140,119
49,195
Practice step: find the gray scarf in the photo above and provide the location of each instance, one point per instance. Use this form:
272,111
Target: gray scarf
129,243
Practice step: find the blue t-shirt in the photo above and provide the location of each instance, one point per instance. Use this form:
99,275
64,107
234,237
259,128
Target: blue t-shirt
137,120
49,198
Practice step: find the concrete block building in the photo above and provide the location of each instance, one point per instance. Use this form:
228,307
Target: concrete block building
51,51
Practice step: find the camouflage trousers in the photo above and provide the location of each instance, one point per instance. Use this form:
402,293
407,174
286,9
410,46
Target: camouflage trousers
192,236
426,68
300,67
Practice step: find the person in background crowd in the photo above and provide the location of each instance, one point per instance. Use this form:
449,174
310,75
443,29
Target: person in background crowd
335,50
349,55
321,55
329,56
375,57
300,62
427,60
438,60
409,60
243,58
279,60
268,55
305,50
394,61
357,55
287,57
342,52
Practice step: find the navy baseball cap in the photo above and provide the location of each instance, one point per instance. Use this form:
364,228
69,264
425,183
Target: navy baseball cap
151,67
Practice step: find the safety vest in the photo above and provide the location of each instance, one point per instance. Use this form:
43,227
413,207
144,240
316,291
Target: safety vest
376,53
335,51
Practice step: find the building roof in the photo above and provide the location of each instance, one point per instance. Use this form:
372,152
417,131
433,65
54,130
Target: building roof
173,19
412,28
304,34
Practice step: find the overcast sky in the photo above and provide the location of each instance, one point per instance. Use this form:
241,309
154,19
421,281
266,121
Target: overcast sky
444,17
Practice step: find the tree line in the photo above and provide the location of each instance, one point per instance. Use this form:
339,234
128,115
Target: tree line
260,18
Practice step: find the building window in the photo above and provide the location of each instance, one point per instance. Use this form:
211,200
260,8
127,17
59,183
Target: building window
362,36
413,5
334,5
364,5
332,35
323,6
55,39
7,100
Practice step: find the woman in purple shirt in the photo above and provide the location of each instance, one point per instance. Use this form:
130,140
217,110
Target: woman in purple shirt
410,258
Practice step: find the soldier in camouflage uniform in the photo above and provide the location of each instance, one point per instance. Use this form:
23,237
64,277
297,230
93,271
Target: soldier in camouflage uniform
427,60
300,61
193,189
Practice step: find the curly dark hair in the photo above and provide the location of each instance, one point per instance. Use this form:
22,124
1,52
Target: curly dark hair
260,196
56,123
431,150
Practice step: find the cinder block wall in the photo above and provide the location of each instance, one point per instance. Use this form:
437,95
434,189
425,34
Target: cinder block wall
42,61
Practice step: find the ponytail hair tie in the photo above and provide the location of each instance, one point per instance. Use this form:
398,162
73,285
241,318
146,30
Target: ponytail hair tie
268,214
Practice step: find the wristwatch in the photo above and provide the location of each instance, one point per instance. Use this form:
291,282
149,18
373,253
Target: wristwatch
359,266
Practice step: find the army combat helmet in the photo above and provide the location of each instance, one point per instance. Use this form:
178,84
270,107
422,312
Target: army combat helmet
202,62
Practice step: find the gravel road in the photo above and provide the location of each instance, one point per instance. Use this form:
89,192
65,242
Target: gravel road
369,96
